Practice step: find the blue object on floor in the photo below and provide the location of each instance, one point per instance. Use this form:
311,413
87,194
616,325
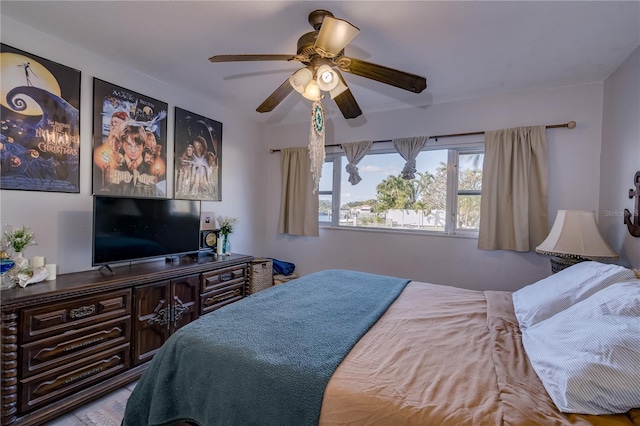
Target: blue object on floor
282,267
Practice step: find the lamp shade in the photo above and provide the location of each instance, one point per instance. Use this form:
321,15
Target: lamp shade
333,36
312,91
575,234
300,79
327,78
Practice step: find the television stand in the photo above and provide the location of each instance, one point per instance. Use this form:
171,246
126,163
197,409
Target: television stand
70,341
107,267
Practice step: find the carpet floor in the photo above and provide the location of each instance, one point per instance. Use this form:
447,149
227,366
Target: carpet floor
108,415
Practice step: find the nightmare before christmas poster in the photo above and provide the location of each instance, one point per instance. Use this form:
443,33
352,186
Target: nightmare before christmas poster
129,143
40,123
198,157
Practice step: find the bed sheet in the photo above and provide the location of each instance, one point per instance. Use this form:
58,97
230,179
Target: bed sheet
443,355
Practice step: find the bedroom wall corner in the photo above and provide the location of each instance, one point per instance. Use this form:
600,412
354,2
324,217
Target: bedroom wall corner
620,158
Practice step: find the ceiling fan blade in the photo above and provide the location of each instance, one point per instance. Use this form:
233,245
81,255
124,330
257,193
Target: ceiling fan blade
276,97
403,80
346,102
245,58
333,36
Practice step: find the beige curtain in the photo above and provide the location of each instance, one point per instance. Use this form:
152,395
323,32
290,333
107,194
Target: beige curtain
409,148
355,151
513,212
298,203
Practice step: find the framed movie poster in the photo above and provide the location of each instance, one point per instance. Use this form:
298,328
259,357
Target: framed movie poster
129,143
40,123
198,157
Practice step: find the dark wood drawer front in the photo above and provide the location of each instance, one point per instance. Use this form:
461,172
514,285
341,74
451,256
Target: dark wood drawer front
43,355
52,320
222,296
62,381
223,277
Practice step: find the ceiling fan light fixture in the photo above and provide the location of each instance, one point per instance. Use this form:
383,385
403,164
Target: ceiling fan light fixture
300,79
333,36
312,91
327,78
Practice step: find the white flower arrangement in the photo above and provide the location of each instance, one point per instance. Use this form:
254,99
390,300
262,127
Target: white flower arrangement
20,238
226,224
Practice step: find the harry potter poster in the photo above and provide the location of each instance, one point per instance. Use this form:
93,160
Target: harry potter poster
40,123
129,143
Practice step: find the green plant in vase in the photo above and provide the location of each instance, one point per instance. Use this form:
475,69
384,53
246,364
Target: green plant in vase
20,238
226,227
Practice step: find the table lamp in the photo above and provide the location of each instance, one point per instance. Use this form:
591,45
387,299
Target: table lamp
574,238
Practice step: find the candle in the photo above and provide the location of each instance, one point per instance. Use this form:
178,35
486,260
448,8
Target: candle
51,269
219,247
37,262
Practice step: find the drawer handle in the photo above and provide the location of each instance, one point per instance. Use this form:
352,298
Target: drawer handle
67,379
47,353
83,311
160,318
225,296
178,310
226,276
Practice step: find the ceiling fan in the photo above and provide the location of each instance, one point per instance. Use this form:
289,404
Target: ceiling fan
322,53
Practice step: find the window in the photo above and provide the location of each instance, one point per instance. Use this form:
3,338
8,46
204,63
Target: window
444,197
325,193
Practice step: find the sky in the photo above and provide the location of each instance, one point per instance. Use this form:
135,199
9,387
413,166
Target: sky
374,169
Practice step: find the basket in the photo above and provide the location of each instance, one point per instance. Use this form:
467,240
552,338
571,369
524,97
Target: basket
260,275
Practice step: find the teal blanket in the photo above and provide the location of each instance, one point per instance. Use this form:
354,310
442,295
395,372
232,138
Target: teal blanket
265,360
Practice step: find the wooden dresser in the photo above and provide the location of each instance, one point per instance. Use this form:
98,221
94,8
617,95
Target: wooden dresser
66,342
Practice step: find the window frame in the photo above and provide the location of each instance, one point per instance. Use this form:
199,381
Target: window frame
454,192
454,150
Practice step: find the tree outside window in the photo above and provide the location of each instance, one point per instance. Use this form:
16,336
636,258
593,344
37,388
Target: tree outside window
383,199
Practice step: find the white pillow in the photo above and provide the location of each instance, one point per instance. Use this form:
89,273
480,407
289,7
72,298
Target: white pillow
547,297
588,356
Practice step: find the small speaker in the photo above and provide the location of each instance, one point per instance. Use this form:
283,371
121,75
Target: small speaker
209,239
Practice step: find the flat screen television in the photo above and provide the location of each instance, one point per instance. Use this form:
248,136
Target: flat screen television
130,229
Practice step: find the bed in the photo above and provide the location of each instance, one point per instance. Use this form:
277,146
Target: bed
415,354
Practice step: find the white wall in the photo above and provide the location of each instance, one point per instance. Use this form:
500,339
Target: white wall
62,222
574,182
620,157
251,176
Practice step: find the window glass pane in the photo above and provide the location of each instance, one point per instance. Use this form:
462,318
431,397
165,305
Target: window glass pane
324,207
326,178
384,199
468,212
470,172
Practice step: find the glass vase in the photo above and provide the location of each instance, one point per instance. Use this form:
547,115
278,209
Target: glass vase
226,246
6,282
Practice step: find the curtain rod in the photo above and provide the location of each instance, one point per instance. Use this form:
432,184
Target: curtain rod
569,125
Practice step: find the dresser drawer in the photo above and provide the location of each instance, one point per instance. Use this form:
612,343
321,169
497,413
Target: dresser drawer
221,296
54,319
65,380
43,355
223,277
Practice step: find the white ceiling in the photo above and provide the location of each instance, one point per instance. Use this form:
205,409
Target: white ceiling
464,49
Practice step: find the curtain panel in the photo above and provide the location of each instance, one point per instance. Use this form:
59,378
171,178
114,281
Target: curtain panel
298,202
355,151
409,148
513,211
